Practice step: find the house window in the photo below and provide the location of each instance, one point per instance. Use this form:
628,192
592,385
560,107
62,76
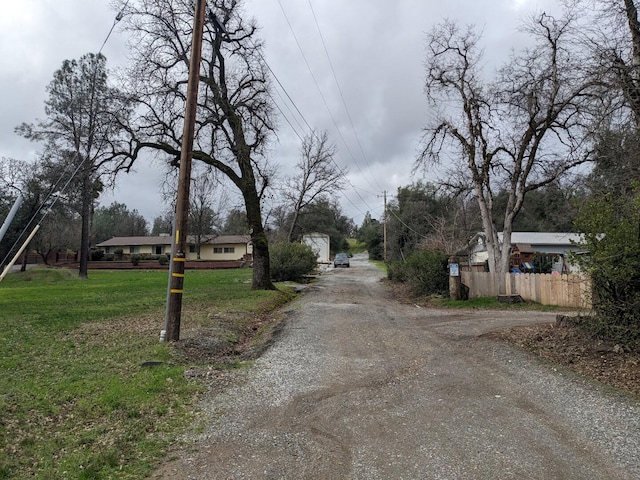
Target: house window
134,249
229,250
217,249
158,249
192,249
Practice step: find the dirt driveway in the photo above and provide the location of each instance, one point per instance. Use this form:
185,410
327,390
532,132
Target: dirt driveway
359,386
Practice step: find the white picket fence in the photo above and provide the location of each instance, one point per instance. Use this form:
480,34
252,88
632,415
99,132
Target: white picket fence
572,291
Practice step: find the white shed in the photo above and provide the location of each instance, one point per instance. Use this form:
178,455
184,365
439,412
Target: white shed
319,243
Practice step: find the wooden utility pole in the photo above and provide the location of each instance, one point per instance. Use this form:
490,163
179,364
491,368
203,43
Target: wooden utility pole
179,251
384,229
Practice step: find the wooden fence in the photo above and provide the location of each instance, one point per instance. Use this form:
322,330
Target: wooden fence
572,291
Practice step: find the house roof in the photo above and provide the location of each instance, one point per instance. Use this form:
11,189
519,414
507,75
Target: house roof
544,238
560,240
234,239
119,241
166,240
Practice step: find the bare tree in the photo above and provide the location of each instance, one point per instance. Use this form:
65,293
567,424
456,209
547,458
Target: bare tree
60,229
234,119
207,202
17,178
445,236
518,133
317,175
628,70
59,225
611,30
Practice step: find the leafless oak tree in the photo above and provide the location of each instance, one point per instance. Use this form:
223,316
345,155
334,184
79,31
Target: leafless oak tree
317,175
610,31
519,132
234,118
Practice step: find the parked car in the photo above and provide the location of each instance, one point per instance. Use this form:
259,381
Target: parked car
341,260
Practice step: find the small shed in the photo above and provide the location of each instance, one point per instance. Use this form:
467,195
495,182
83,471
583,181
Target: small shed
320,244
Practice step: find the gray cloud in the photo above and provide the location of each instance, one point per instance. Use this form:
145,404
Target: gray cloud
376,48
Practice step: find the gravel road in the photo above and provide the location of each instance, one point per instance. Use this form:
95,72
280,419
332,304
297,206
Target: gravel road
359,386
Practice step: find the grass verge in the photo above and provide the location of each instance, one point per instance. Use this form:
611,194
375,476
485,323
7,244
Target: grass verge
76,399
380,264
491,303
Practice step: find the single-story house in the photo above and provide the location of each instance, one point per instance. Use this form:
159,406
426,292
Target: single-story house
221,247
527,245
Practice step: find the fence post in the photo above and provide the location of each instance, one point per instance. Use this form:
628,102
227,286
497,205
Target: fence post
455,284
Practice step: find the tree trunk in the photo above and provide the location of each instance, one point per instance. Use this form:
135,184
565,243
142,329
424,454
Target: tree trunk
293,225
491,235
261,269
634,28
629,73
23,265
505,253
86,215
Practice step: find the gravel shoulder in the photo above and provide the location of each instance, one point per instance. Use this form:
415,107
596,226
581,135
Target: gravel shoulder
361,386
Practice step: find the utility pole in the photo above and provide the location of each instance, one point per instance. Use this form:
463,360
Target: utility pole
384,229
16,206
179,251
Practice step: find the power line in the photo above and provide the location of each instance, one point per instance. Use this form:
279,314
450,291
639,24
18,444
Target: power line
328,110
117,18
311,130
317,84
54,190
344,102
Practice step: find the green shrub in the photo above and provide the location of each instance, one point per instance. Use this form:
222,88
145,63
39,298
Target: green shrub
135,260
97,255
610,225
396,271
291,261
109,257
425,272
163,259
118,253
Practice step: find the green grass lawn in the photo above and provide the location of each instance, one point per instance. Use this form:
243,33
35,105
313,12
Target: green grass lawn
75,400
492,303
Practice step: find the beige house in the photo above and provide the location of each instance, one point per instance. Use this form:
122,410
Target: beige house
224,247
212,248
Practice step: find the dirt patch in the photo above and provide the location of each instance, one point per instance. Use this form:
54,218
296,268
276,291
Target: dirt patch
228,338
232,338
565,345
576,350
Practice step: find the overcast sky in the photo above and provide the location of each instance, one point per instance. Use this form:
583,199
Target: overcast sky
376,48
